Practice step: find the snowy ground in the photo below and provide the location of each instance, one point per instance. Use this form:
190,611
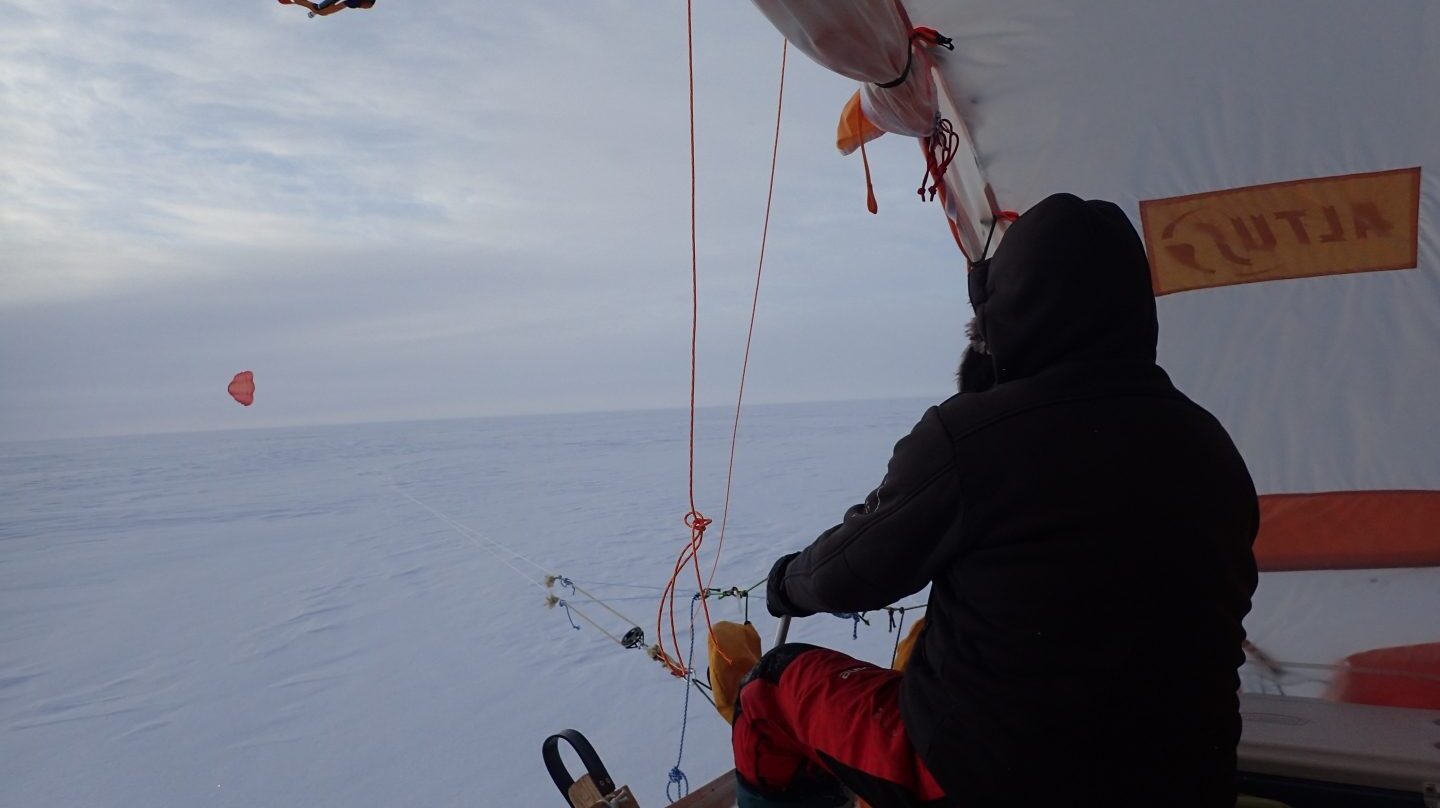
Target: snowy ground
265,619
324,617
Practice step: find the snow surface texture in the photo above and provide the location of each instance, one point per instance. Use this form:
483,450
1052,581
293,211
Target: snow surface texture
322,616
264,619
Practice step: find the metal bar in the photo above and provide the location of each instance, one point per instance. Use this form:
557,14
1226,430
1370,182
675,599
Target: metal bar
782,632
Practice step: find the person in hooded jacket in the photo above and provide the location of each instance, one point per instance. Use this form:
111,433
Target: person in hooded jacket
1086,533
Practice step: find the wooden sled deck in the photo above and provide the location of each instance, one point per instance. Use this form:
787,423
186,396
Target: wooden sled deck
1376,755
718,793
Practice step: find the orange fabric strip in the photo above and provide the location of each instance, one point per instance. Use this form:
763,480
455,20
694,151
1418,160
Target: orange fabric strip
1297,229
1349,530
1404,676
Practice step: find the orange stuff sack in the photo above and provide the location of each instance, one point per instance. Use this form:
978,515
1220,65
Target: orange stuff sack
734,649
854,129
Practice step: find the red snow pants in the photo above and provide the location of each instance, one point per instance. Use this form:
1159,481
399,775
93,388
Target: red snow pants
807,712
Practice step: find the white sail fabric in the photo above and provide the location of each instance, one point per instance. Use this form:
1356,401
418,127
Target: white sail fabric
869,41
1328,384
1328,377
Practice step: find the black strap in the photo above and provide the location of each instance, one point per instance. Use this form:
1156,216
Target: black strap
940,39
589,758
909,58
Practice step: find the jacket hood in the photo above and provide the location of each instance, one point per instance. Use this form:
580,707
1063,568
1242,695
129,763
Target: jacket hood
976,373
1069,283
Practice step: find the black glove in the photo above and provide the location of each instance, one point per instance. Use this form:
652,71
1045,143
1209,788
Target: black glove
775,600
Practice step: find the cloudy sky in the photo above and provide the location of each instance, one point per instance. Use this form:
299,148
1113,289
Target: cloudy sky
436,209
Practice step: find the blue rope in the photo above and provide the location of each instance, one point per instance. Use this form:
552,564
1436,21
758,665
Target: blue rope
858,617
566,607
563,581
678,780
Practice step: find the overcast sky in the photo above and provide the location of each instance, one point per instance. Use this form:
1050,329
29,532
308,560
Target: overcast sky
436,209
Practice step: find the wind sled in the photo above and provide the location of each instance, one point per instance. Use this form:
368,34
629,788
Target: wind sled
1282,162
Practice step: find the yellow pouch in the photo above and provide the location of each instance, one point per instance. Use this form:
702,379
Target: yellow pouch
740,644
907,645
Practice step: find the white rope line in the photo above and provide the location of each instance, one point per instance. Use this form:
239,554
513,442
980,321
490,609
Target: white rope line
645,587
602,604
469,530
573,609
477,540
548,577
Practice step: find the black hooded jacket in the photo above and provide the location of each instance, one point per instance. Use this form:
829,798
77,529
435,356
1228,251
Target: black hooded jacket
1087,533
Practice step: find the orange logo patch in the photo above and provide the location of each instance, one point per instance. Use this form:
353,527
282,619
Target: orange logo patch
1299,229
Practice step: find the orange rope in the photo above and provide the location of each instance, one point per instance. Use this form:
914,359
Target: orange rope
693,519
696,521
754,305
870,203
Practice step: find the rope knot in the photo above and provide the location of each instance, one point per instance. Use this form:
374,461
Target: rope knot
551,580
658,654
858,617
891,611
697,522
679,782
940,150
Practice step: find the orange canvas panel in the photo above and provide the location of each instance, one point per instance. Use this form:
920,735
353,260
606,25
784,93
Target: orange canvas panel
1298,229
1349,530
1404,676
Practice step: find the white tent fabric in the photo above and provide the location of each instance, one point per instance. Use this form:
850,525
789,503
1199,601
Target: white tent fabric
1328,383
